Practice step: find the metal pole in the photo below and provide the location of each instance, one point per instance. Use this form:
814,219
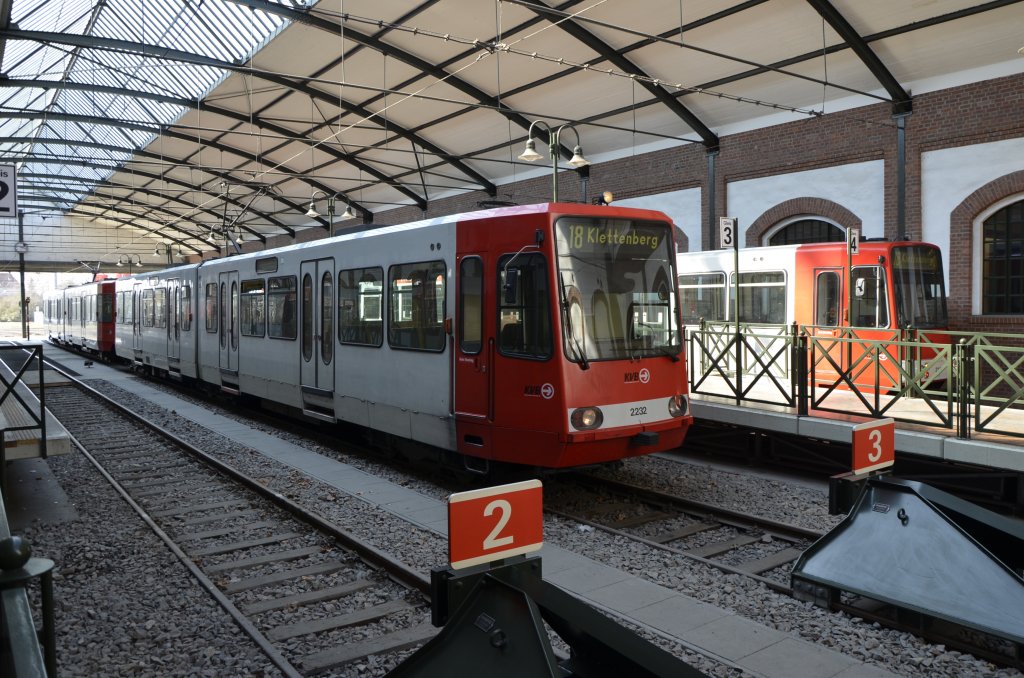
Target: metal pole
21,270
901,176
553,150
736,309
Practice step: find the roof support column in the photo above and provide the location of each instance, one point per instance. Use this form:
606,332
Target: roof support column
712,182
901,175
21,271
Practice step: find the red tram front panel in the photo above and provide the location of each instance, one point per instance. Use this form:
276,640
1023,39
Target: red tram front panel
879,298
516,389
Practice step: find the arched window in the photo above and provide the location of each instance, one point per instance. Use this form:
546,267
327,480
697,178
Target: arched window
1002,277
807,230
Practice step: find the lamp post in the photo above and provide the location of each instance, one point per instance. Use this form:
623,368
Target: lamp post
131,260
313,214
163,249
530,153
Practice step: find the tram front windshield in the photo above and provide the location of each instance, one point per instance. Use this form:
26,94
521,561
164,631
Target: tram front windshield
919,286
615,285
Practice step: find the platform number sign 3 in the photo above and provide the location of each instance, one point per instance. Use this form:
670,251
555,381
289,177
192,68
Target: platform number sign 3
874,445
726,232
494,523
8,190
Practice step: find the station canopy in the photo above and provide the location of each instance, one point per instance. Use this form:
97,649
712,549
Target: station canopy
176,127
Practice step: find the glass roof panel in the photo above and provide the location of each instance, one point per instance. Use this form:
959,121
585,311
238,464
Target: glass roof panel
214,29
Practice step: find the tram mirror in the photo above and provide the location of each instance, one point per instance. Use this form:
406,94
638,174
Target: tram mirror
511,287
859,291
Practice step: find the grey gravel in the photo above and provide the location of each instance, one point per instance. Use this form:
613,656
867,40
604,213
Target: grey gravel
126,607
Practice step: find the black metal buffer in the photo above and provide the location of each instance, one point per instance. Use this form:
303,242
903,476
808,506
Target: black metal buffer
918,548
493,623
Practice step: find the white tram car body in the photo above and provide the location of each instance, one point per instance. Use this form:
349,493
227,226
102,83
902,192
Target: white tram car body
474,333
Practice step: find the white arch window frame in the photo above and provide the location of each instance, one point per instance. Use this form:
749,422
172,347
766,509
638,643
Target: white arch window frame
977,251
767,235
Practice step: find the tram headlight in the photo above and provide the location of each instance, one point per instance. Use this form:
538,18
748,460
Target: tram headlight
678,406
586,418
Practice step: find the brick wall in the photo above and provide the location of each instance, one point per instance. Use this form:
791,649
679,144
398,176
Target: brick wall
977,113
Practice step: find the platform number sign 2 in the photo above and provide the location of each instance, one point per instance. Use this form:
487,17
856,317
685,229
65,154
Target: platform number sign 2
8,191
494,523
727,232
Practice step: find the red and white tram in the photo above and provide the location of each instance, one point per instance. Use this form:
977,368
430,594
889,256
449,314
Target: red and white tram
545,335
82,317
885,291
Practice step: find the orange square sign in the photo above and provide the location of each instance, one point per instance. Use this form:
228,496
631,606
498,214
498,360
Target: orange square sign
874,445
494,523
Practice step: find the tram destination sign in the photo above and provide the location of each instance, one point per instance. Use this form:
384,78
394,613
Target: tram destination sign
494,523
588,236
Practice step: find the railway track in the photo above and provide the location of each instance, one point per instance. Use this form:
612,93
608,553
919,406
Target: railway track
730,541
312,596
742,544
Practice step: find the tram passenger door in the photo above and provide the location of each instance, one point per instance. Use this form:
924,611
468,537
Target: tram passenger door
316,325
136,317
227,290
173,324
474,353
828,324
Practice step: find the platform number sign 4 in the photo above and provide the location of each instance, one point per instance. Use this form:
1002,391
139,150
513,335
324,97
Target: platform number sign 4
853,240
494,523
727,232
8,190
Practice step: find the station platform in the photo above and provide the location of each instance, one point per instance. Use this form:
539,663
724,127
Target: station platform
1001,452
732,639
22,421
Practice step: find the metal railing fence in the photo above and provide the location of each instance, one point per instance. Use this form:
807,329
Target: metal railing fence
958,381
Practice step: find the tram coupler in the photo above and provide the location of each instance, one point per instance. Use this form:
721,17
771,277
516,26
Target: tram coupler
493,620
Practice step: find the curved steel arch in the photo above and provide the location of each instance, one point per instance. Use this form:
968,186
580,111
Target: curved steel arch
573,28
135,189
156,156
166,130
306,16
35,158
155,51
901,98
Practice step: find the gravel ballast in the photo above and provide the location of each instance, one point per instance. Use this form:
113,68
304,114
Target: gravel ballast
127,607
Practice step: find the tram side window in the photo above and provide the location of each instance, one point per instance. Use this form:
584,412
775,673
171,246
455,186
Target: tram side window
253,307
211,307
360,297
125,314
471,304
703,297
160,307
762,297
417,306
148,308
186,308
826,299
281,321
869,298
524,313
